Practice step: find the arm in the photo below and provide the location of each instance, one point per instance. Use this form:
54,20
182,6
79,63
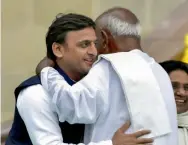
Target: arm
83,102
43,126
41,122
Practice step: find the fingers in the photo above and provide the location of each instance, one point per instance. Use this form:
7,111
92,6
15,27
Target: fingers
146,144
141,133
125,126
144,140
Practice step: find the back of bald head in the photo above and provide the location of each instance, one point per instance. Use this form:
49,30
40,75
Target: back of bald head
120,22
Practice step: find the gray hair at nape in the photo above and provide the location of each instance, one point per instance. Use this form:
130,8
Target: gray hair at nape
118,27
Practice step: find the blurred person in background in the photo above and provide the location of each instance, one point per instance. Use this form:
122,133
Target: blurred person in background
178,73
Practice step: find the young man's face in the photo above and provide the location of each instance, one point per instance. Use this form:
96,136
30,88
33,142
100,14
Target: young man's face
179,81
79,51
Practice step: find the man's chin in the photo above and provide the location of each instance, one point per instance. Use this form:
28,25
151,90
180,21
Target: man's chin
86,70
89,66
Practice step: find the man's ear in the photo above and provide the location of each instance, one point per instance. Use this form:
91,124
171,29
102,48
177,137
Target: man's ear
58,50
105,38
103,49
109,42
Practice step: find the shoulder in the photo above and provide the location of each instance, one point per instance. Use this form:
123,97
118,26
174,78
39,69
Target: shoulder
34,96
164,83
34,80
161,74
100,71
99,75
100,66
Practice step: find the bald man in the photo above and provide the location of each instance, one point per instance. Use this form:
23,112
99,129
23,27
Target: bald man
100,101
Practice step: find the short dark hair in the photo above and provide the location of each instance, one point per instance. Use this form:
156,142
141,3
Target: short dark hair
172,65
63,24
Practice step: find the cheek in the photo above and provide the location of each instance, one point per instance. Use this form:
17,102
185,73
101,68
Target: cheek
72,54
77,60
81,53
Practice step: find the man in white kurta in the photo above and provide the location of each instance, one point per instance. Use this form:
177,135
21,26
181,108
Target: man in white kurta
101,101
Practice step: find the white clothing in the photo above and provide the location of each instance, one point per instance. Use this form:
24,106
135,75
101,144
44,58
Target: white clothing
35,108
183,128
97,100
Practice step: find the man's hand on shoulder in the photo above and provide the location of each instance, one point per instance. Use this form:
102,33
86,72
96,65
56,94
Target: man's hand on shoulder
45,62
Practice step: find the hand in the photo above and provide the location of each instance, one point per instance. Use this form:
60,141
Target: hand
44,63
120,138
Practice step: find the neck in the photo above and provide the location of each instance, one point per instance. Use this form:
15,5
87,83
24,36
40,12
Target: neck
70,73
128,43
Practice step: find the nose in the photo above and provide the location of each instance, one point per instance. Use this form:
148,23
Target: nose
92,51
180,92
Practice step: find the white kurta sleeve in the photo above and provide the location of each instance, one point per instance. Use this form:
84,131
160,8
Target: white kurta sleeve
42,124
82,102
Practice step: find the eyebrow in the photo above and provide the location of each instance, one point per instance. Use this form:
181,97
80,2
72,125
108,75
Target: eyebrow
88,40
175,82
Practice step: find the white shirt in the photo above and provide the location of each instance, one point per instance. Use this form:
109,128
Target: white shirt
94,101
35,108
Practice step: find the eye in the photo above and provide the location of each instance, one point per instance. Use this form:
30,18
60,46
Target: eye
85,44
186,87
175,85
